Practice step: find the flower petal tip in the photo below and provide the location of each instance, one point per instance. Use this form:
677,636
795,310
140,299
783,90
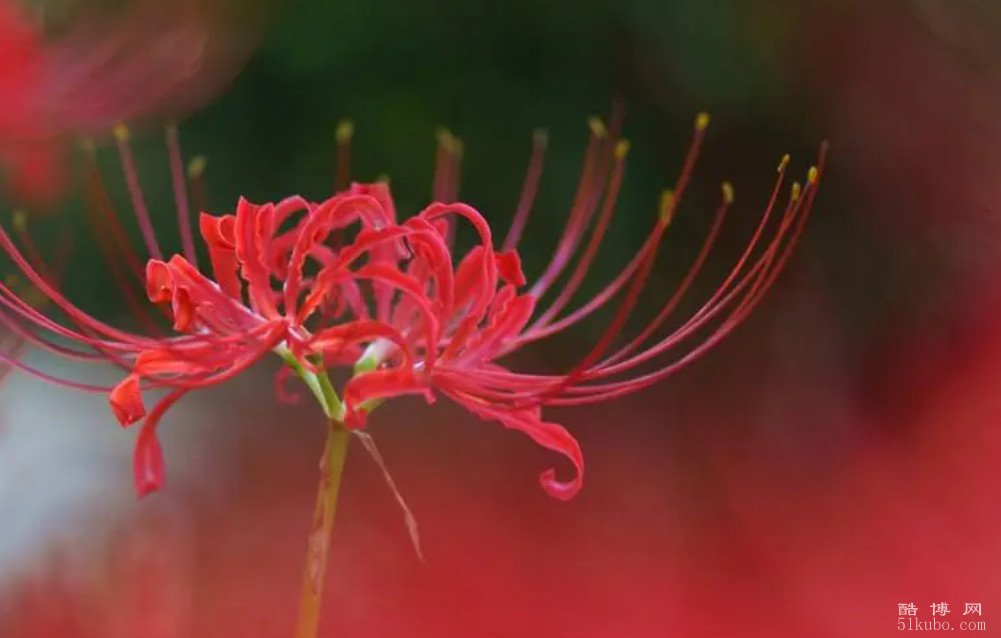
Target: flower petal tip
126,401
147,463
509,268
557,489
146,487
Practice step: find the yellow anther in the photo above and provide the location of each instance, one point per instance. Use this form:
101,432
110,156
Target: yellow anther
666,206
812,174
597,127
121,132
783,163
450,143
20,221
382,178
727,193
443,135
794,193
540,137
622,149
701,121
196,167
345,129
458,147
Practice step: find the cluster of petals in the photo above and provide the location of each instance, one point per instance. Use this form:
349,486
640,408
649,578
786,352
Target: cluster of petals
345,282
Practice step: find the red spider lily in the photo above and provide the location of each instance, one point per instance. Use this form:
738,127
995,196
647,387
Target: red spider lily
451,320
356,286
152,60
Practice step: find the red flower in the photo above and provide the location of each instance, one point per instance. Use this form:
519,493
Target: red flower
24,151
154,59
453,319
344,283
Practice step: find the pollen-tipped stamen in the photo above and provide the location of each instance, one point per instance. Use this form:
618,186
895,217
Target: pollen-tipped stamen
181,195
121,133
597,235
668,205
196,178
592,181
679,293
529,189
342,168
448,163
751,289
114,244
674,300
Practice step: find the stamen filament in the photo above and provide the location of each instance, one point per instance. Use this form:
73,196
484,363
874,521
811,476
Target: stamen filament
181,195
135,191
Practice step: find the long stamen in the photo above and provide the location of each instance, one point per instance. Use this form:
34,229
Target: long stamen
59,299
25,335
766,216
611,197
763,275
342,170
181,195
113,242
538,331
591,181
196,177
135,191
696,267
14,362
533,175
447,165
446,175
636,286
725,294
20,224
106,219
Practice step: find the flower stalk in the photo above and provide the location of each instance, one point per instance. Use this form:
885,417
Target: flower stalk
318,551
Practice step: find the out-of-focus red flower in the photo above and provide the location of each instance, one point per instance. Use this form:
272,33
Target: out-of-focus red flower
152,60
24,151
343,282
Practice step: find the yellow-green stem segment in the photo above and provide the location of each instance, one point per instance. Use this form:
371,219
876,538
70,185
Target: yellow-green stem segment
318,551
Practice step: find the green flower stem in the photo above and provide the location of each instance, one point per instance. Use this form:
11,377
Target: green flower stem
318,552
331,468
318,384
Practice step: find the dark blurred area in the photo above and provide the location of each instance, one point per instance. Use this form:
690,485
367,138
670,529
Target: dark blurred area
837,456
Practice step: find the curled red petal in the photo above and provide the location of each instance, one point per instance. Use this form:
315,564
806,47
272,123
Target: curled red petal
196,300
126,401
183,309
220,237
551,436
509,268
158,281
147,462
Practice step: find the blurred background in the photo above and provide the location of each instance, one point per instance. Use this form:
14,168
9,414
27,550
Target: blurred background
837,456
